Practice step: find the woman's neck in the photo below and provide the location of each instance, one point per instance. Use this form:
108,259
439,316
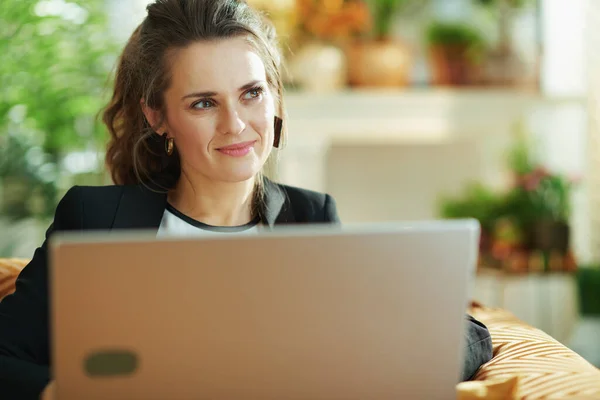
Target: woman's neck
214,203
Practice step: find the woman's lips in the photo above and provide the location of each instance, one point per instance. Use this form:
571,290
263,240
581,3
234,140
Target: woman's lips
238,149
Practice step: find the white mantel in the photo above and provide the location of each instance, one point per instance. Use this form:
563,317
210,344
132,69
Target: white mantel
317,122
423,116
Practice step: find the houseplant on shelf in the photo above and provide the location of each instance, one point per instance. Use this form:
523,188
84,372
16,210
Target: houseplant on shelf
541,200
456,52
485,205
318,62
504,65
379,59
526,226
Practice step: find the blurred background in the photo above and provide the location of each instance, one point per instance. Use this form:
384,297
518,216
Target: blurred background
401,109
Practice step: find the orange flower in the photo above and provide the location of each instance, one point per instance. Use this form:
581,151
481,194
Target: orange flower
333,19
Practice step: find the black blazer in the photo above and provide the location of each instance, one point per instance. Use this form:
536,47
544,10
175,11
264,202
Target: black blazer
24,341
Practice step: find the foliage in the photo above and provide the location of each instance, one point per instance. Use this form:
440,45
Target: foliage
476,201
536,195
541,196
588,281
384,12
56,60
453,34
29,179
520,159
496,3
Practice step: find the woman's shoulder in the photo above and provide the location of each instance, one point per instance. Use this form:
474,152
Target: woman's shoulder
307,205
105,195
88,207
299,196
76,196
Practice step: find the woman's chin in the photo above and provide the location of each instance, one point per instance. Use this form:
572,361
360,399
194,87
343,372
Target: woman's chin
234,175
233,170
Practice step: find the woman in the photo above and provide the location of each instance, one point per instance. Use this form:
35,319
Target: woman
196,111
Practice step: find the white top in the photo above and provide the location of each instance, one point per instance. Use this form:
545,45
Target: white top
175,223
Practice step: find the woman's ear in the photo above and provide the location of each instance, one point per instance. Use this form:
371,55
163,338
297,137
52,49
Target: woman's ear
153,117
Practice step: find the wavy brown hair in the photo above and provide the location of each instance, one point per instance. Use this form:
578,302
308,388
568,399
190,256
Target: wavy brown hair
136,153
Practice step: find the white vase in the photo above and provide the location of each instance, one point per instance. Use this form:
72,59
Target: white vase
319,67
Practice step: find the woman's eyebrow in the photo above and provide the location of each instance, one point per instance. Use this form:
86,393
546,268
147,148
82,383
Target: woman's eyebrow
249,85
199,94
212,94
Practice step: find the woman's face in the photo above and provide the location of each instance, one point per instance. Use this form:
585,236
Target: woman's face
220,110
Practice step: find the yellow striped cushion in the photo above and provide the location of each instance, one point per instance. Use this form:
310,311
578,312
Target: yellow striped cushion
545,368
9,270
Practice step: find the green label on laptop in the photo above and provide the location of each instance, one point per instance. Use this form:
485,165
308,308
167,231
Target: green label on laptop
111,363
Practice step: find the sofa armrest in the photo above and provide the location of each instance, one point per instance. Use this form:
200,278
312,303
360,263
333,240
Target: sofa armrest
10,268
543,367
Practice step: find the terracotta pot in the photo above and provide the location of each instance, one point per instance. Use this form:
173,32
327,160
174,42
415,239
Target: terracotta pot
548,235
380,63
452,66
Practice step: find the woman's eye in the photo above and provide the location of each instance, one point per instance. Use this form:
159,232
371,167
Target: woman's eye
253,93
202,104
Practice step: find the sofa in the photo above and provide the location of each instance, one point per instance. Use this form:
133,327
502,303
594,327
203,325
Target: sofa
527,363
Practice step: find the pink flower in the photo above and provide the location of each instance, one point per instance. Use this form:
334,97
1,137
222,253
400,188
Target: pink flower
531,181
575,179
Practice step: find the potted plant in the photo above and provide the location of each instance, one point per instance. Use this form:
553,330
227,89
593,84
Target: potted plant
504,66
379,59
456,52
545,199
319,63
485,205
539,199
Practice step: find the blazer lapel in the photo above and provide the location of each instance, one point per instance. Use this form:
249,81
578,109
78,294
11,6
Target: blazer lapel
139,208
278,209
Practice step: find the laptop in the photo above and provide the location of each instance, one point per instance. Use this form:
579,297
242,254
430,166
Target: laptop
313,312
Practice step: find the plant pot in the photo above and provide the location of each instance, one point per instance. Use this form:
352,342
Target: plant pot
379,63
452,65
548,235
507,69
319,67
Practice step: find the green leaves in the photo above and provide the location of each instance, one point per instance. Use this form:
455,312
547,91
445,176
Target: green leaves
384,12
509,3
53,76
448,34
55,65
477,201
28,176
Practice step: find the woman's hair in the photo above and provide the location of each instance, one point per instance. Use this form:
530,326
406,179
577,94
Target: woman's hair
135,153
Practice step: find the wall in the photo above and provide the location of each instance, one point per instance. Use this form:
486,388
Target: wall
378,183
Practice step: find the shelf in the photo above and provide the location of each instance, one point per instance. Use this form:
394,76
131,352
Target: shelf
416,116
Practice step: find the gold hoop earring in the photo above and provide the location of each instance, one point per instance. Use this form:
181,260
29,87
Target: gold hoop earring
169,145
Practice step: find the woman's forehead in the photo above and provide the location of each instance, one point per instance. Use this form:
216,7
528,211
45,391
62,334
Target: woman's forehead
219,65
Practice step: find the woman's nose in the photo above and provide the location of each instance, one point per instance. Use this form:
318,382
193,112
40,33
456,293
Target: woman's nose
231,122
